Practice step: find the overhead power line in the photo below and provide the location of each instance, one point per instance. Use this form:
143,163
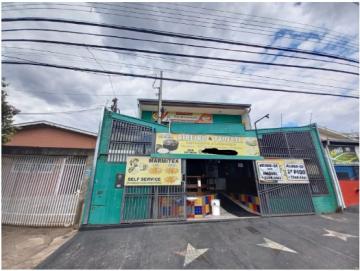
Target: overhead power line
39,64
175,43
312,86
61,112
207,67
216,65
172,34
72,93
180,55
195,9
222,21
142,67
97,62
161,14
254,16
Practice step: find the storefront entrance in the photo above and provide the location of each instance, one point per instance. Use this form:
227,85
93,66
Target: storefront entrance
232,182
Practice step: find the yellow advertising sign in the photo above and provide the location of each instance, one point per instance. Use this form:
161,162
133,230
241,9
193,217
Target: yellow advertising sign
185,117
283,171
206,144
144,170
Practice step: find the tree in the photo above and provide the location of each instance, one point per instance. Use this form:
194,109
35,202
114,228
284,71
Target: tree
7,113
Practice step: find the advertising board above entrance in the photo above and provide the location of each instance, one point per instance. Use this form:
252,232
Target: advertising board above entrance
206,144
184,117
282,171
145,171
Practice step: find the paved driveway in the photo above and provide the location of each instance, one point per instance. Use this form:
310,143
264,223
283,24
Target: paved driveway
306,242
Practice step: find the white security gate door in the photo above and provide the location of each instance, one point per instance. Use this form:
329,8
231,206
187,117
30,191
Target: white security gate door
40,190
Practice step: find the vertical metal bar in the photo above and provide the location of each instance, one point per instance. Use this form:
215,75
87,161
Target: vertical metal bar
6,192
256,179
20,195
35,179
60,176
73,193
46,195
32,191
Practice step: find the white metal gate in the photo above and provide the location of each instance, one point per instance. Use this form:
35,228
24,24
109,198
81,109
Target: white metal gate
41,190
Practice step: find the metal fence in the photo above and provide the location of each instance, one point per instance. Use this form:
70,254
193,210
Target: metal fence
291,199
41,190
129,139
153,203
297,145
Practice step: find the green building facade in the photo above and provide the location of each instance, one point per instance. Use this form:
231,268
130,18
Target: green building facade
105,199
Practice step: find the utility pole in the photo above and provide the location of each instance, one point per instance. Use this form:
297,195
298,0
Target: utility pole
160,99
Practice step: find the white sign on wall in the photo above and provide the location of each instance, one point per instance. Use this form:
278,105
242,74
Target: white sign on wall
296,172
283,171
269,172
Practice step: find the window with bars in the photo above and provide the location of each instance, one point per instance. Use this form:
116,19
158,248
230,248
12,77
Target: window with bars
129,139
297,145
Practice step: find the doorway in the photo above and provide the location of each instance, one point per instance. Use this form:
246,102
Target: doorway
232,182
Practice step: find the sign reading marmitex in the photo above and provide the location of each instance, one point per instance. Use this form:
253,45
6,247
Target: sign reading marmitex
148,171
285,171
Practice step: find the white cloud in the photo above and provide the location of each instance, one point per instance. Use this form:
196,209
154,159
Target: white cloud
336,113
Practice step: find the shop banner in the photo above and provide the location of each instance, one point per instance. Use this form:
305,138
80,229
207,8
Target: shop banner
185,117
283,171
144,170
206,144
344,155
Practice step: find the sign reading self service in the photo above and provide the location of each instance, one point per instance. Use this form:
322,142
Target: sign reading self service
283,171
144,170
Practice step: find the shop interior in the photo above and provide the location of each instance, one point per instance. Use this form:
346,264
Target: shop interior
219,189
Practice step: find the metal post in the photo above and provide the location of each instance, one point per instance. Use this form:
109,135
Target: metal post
256,132
160,99
335,180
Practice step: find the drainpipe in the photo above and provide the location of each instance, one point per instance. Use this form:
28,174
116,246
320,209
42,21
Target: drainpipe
334,178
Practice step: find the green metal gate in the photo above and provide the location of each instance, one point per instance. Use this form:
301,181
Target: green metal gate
153,203
290,199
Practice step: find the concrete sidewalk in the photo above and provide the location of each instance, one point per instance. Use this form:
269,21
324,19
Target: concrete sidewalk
26,247
298,242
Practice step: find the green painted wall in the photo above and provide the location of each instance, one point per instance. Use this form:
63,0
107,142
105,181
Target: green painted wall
328,203
105,206
147,115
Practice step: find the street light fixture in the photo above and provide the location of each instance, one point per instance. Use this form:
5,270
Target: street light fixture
257,137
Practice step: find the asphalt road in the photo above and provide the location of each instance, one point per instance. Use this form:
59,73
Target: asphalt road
301,242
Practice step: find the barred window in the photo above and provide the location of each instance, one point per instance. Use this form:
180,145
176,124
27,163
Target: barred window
129,139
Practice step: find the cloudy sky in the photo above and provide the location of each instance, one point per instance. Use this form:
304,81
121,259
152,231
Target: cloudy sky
330,28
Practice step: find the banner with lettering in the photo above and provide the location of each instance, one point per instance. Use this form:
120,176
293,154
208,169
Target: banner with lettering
185,117
206,144
144,170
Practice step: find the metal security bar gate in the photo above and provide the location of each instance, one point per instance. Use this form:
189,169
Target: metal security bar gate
129,139
290,199
153,203
41,190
